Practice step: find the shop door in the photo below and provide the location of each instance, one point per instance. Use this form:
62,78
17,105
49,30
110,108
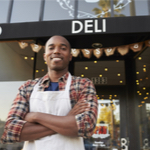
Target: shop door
111,128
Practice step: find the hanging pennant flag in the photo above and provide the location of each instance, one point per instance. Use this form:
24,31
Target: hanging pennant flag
75,52
109,51
87,53
123,50
23,44
147,43
36,48
136,46
98,52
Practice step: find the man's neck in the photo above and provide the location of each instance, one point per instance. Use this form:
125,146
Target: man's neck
55,75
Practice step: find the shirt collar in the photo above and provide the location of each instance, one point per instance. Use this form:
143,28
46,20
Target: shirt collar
46,79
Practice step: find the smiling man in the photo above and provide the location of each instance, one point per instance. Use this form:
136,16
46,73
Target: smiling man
56,111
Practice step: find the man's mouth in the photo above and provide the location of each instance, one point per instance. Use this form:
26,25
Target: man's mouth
56,59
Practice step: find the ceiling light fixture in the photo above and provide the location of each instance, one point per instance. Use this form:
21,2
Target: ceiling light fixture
97,45
106,69
144,88
25,57
144,69
82,75
32,58
100,75
140,58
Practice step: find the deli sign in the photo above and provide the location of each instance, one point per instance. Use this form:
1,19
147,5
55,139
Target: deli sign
88,26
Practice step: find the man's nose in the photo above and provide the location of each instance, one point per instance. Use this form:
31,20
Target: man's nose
57,50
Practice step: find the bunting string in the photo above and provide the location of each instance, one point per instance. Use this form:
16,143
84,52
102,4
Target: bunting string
87,53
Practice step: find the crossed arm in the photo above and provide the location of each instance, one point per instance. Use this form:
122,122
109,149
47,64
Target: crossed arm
41,124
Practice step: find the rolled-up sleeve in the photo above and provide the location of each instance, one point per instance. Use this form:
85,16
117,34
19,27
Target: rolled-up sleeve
86,121
15,122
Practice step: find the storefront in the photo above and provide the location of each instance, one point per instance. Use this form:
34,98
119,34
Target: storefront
111,46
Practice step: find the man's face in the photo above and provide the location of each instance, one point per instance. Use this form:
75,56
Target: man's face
57,53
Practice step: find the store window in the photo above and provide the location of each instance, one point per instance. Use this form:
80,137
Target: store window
59,10
25,11
16,66
103,8
143,92
8,92
4,8
142,7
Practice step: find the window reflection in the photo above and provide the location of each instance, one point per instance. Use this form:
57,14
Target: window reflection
4,6
121,8
59,10
25,11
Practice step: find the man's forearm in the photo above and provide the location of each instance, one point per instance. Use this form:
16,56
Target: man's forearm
32,131
65,125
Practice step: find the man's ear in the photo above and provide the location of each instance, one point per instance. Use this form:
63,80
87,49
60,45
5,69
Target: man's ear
70,57
44,57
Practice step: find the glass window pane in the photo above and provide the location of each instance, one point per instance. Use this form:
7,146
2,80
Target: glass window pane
8,92
4,6
141,7
92,9
59,9
122,8
143,92
13,65
25,11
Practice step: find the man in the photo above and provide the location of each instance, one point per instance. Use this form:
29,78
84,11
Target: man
56,111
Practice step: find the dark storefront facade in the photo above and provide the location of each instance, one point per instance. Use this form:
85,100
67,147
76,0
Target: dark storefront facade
121,78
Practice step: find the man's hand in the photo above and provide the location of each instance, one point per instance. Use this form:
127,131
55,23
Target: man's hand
79,108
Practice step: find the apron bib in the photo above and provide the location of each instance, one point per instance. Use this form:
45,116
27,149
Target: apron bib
55,103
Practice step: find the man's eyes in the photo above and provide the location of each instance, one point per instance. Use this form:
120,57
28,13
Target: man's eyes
51,48
63,48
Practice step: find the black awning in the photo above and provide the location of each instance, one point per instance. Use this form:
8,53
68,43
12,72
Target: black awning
84,32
